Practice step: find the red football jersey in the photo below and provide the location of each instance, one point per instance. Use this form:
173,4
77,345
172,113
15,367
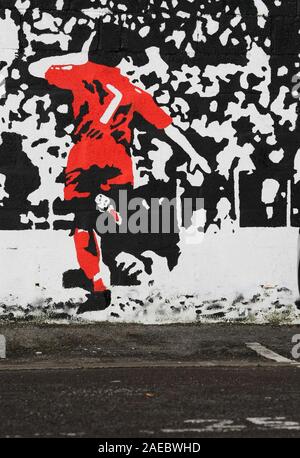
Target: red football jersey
104,99
104,102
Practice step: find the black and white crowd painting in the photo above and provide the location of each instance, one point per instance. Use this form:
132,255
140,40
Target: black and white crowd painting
225,71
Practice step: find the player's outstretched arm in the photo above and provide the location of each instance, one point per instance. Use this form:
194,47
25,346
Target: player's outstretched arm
154,114
40,67
196,160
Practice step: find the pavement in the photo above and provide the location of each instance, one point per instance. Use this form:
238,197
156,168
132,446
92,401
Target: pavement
128,380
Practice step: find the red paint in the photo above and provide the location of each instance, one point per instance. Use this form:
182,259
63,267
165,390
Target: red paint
104,151
88,262
97,146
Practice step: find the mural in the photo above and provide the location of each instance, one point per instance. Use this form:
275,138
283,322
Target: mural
175,100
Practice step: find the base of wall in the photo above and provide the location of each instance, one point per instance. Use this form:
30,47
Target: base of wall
272,305
249,276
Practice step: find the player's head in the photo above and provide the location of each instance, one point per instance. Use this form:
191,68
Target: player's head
112,43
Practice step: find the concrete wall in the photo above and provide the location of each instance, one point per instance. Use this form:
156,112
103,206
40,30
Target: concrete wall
224,73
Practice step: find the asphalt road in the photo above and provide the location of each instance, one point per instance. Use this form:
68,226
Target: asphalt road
203,382
151,402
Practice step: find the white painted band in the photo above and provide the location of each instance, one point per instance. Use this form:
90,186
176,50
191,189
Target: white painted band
113,104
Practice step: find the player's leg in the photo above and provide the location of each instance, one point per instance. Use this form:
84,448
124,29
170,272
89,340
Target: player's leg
89,256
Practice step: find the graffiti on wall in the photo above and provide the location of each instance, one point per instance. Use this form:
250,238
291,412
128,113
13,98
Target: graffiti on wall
173,100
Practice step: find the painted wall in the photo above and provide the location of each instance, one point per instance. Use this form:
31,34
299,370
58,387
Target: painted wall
181,100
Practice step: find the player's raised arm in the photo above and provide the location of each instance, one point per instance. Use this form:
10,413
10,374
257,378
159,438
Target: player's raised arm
196,160
40,67
155,115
